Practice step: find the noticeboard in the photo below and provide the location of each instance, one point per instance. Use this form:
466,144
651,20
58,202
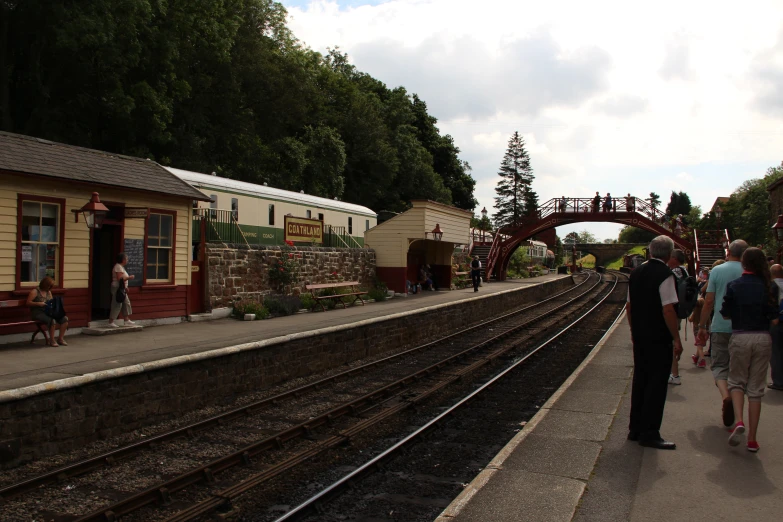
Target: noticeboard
134,249
304,230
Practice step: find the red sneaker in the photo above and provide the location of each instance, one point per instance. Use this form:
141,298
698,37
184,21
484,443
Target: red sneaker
753,446
702,364
737,435
695,359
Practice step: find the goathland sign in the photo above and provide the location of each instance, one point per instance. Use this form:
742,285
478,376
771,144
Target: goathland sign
304,230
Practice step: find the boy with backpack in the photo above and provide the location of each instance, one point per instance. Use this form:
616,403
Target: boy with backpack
688,296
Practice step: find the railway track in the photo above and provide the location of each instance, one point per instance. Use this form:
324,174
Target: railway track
396,383
383,495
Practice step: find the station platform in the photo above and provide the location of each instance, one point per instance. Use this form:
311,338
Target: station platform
572,461
24,365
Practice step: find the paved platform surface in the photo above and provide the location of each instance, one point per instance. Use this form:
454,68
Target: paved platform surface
23,364
573,462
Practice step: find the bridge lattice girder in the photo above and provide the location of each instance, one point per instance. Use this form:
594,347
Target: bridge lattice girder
636,213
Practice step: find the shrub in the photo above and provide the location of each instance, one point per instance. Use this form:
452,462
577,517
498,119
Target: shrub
283,304
307,301
284,271
377,294
250,307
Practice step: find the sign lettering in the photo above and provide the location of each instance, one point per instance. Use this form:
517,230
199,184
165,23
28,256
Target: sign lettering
136,213
304,230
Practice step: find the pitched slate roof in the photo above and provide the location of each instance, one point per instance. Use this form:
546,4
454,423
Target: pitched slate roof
28,155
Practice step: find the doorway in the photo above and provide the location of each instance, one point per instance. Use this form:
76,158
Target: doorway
106,244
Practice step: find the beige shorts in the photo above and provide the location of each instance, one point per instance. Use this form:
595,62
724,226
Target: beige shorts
749,363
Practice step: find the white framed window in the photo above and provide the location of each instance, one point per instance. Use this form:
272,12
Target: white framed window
235,209
271,215
350,225
160,248
39,241
309,214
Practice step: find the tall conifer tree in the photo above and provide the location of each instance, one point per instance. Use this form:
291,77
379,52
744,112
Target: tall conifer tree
515,196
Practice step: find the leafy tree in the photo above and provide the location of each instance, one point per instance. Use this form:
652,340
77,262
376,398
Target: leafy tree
482,223
747,212
223,86
654,199
514,190
679,203
571,238
629,234
559,251
520,260
587,237
694,217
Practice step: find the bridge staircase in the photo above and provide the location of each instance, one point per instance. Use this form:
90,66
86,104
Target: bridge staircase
710,245
482,251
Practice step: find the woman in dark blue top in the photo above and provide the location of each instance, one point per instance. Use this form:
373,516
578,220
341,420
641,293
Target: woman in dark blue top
751,302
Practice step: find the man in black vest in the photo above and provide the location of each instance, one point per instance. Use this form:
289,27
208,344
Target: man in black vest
652,297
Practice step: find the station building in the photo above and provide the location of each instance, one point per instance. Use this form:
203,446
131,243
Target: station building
427,234
43,187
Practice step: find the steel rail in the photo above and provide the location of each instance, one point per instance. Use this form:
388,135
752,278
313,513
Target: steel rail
111,457
220,498
314,501
162,491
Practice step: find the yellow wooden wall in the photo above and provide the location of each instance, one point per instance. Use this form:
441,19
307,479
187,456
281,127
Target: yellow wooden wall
390,239
76,241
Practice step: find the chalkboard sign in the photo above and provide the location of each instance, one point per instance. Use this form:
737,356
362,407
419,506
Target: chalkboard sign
134,249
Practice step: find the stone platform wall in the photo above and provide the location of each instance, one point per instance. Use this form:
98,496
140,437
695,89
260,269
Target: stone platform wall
240,273
46,424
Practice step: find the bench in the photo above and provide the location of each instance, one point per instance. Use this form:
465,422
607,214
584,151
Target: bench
22,303
352,285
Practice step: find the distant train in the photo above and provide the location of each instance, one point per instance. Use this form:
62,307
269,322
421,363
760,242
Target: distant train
259,210
539,254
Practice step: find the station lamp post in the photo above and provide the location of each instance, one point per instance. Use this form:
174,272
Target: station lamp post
437,233
777,229
718,213
94,212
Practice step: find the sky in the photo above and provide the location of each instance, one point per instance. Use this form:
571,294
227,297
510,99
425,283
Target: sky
610,96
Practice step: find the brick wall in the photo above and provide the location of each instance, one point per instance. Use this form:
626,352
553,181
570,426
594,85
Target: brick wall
238,272
60,421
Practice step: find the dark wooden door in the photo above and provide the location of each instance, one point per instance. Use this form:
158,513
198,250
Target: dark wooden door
197,290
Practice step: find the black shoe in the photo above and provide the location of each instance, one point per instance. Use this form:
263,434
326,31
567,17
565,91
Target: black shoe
633,436
658,444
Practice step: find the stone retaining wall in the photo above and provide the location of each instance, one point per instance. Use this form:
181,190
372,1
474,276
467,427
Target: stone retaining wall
240,273
45,424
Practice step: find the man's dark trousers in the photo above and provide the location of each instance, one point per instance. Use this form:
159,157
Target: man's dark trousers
777,354
651,366
475,275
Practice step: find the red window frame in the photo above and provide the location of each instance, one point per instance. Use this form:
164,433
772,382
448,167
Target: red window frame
61,243
173,214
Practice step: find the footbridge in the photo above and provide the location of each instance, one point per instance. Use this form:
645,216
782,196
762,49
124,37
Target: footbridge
604,252
557,212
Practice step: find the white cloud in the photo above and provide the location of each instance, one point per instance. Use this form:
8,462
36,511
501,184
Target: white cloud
614,97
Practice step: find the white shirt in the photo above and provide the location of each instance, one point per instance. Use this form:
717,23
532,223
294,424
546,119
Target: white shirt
779,282
667,290
121,269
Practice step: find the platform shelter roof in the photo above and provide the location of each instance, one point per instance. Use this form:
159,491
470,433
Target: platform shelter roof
392,239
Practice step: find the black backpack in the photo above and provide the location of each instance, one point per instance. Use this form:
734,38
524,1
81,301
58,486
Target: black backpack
475,264
688,295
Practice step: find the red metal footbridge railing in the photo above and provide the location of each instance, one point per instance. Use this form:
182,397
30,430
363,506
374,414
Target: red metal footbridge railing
627,210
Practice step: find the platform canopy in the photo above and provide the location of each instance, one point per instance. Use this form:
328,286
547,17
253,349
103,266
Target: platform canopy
407,241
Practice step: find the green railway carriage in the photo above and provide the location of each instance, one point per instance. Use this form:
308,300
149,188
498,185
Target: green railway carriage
259,211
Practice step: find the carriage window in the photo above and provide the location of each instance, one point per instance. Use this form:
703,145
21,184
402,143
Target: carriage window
350,225
235,208
213,205
320,217
367,225
309,214
271,215
40,241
